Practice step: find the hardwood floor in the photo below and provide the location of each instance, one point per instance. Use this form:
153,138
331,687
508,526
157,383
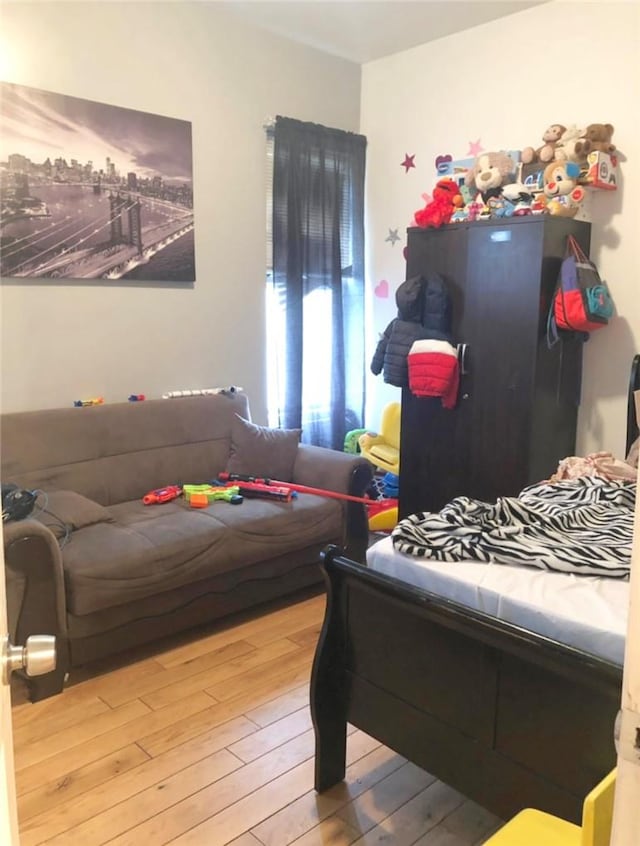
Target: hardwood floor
206,740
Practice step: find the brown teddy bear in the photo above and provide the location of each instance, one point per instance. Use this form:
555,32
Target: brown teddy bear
545,153
597,136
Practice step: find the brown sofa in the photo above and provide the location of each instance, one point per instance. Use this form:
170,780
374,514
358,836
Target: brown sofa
104,572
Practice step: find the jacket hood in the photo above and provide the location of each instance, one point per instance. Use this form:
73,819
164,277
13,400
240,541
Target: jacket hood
437,311
409,299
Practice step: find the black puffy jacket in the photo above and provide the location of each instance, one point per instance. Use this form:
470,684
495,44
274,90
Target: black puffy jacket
424,311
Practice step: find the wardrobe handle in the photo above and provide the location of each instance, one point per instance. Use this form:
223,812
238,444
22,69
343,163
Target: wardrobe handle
462,358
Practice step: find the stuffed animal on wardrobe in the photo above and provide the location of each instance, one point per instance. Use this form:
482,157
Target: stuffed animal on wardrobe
545,153
446,199
489,173
561,188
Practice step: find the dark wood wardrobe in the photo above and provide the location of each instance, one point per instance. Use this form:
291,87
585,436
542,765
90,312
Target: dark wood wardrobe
518,402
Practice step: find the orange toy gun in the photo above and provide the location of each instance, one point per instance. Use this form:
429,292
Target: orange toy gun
162,495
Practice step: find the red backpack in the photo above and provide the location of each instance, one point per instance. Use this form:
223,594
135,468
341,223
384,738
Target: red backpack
581,301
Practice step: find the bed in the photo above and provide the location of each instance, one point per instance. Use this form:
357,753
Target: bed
488,683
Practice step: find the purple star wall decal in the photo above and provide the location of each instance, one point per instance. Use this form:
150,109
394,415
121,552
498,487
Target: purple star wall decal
408,162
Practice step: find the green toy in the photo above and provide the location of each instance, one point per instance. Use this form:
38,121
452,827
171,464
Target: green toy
199,496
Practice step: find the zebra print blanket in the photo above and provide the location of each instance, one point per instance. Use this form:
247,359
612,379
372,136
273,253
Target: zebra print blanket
582,525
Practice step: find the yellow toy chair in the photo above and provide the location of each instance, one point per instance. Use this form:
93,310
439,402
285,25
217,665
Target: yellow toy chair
383,449
536,828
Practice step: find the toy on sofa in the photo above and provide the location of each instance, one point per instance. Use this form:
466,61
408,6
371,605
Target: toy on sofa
545,153
199,496
489,173
446,199
161,495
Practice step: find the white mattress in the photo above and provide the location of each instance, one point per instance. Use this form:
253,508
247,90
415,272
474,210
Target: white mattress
586,612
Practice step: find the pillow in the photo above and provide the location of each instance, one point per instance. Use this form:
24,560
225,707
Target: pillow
262,452
71,509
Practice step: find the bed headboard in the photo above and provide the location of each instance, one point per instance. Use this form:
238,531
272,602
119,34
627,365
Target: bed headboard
634,385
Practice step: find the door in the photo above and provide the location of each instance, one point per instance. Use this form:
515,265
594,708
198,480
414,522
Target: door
8,813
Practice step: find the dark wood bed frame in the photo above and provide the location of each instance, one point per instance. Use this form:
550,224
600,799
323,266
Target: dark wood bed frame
509,718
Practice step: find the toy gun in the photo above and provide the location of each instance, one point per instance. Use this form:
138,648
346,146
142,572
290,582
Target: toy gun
240,479
199,496
266,491
162,495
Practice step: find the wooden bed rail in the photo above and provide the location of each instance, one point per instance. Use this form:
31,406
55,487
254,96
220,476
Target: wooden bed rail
507,717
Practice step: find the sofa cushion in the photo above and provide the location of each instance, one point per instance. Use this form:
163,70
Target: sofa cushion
262,452
69,509
151,549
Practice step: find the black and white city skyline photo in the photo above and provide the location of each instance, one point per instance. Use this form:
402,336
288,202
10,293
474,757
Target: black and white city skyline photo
93,191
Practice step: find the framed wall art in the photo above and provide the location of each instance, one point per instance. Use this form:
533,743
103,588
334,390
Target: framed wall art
93,191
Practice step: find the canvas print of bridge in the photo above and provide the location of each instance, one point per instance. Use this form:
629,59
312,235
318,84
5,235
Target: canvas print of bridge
93,191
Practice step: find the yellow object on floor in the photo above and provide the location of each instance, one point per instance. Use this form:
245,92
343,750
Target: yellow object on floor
383,449
384,521
536,828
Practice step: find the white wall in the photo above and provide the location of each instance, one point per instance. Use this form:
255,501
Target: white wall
504,83
188,60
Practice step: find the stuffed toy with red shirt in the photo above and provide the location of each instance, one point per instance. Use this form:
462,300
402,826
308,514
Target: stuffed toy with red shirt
446,199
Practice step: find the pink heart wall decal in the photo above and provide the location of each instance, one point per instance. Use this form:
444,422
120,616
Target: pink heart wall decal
382,289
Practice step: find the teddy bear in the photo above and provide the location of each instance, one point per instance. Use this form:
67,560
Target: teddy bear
597,137
566,148
545,153
446,199
489,172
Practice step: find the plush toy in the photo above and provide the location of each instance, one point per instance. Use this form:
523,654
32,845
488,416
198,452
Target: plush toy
597,137
489,173
545,153
446,199
567,147
563,193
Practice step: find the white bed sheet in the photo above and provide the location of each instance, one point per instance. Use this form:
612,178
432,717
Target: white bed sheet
587,612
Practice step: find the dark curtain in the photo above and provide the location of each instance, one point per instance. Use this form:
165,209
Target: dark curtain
318,276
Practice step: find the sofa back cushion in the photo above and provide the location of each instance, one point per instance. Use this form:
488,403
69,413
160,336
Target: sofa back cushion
116,453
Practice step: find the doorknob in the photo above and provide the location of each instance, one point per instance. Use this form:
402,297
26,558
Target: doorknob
36,657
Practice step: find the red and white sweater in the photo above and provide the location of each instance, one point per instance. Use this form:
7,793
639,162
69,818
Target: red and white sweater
434,371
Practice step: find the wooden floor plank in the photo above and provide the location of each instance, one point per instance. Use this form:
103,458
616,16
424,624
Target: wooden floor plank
385,797
413,819
272,736
298,817
61,741
51,795
204,739
204,674
281,706
226,632
68,815
233,687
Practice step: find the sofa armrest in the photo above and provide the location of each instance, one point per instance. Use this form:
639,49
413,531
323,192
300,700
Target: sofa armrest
331,470
36,596
341,472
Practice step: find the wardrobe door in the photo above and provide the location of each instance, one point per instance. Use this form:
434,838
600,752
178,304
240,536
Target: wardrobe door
434,446
503,301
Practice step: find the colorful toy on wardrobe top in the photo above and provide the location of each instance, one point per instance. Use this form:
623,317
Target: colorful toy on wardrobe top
136,397
202,392
446,199
489,173
88,402
561,188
